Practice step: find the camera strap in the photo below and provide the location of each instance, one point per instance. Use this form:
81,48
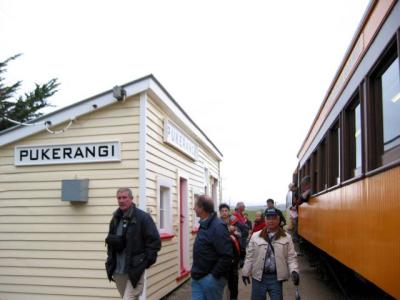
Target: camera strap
270,244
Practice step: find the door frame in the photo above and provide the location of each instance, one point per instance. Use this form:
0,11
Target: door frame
183,210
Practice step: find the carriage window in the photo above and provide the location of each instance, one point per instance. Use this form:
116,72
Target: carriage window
334,156
314,173
322,166
384,113
353,143
337,173
357,141
390,85
303,173
307,169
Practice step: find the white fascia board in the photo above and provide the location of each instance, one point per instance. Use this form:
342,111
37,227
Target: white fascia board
57,118
72,112
137,87
174,110
142,152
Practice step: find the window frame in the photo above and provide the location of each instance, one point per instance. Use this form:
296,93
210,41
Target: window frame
334,155
322,165
308,167
195,219
163,182
314,172
349,143
214,190
377,157
206,181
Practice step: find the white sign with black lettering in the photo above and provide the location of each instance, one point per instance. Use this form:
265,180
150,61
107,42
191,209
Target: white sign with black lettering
28,155
175,137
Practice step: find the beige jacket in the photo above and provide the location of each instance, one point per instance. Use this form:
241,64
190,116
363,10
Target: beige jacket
285,257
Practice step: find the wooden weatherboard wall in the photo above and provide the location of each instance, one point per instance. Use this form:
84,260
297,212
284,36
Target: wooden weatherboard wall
165,161
53,249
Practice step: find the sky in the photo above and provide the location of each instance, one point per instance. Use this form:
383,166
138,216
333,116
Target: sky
251,74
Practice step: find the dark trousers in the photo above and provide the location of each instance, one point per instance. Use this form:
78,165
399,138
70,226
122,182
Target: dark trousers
242,257
295,235
233,280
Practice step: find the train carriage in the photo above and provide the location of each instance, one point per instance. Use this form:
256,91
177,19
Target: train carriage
352,155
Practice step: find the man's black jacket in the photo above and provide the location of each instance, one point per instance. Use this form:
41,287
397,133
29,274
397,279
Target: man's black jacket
142,243
212,249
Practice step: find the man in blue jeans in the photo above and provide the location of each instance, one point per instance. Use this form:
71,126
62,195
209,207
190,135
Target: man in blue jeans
212,253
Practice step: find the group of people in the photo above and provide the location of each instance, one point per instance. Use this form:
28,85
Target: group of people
268,252
294,198
224,244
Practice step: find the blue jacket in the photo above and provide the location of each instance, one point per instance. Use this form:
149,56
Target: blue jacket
212,250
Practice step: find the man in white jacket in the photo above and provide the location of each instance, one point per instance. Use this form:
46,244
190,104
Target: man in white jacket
270,259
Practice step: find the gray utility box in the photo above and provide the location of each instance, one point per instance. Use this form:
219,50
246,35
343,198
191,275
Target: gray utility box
75,190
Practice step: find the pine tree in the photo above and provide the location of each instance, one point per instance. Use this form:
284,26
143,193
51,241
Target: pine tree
25,108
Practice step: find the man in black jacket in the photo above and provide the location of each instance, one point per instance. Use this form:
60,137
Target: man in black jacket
132,245
212,253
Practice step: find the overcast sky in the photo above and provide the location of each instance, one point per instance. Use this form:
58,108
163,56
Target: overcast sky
251,74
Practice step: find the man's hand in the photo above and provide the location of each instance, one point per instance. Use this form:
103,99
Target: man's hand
241,263
246,280
305,195
295,278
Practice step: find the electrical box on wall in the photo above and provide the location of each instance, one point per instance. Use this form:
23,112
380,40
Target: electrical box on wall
75,190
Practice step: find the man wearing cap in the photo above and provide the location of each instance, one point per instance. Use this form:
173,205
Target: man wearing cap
271,204
270,260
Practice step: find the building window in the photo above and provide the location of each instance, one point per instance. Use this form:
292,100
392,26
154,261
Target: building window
206,181
353,137
164,201
214,191
195,219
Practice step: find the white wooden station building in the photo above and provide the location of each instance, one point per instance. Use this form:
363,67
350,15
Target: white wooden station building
57,191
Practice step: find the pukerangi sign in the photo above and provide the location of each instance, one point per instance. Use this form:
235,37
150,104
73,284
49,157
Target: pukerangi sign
28,155
176,138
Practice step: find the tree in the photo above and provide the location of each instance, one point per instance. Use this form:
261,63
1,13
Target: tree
25,108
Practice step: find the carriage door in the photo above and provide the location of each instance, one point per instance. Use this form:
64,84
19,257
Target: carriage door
183,227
